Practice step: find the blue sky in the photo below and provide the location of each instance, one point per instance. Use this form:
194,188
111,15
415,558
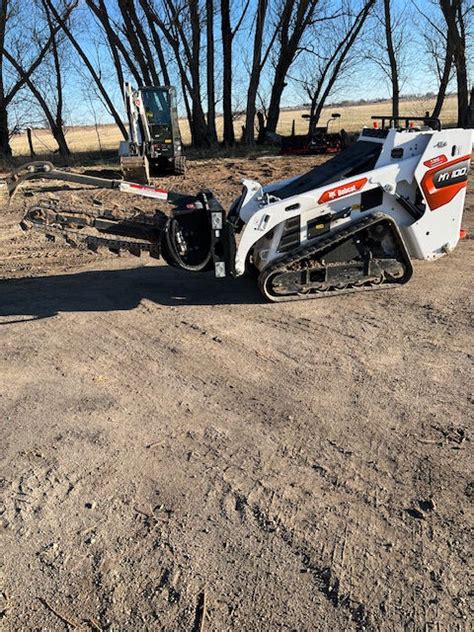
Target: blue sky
366,81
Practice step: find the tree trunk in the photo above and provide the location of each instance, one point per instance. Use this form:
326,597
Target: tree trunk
29,137
60,138
277,91
470,114
453,12
443,85
178,40
58,119
187,106
210,62
201,132
187,90
5,149
315,97
295,17
262,128
249,135
115,43
103,19
143,40
281,68
131,36
6,99
463,90
226,30
156,41
392,58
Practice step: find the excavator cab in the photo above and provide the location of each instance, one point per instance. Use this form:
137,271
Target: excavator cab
154,145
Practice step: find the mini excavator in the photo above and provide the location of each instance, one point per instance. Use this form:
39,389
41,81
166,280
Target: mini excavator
154,145
351,224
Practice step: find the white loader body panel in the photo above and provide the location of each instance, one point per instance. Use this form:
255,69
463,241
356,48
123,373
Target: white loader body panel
418,178
442,176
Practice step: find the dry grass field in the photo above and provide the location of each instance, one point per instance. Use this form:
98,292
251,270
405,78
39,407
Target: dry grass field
106,137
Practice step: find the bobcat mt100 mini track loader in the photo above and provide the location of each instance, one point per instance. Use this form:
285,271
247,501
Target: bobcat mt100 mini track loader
154,145
351,224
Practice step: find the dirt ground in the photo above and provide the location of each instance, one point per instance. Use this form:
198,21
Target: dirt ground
169,437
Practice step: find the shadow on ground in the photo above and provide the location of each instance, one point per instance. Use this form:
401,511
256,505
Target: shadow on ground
109,290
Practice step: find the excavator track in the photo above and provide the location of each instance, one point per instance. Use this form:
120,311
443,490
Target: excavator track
91,228
367,254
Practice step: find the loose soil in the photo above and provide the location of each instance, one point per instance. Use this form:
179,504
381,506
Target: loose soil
170,438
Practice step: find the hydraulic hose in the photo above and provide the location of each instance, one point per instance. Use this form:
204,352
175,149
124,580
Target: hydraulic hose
173,241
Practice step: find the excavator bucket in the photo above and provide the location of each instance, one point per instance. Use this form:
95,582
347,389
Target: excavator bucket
135,169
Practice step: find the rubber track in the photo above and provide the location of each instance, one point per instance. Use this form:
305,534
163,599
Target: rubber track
284,264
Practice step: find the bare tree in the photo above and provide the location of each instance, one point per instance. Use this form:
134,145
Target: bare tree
135,34
258,63
195,68
295,16
210,67
388,51
56,130
439,55
327,68
454,13
156,41
130,35
181,27
85,59
392,58
443,71
228,33
116,46
174,41
24,71
58,126
172,36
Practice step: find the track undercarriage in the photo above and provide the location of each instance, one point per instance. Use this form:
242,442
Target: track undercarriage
368,254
